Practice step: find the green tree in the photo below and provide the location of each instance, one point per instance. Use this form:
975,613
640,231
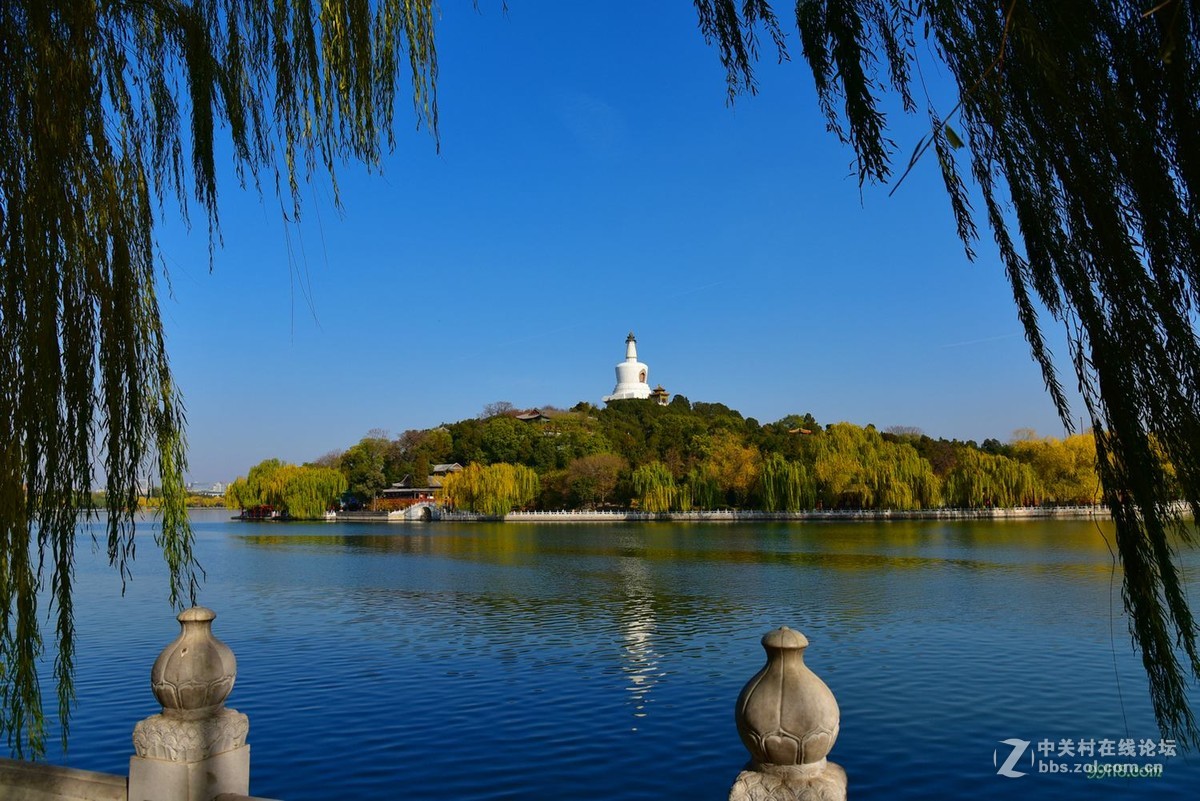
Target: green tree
733,464
437,445
704,489
857,467
785,486
302,492
466,436
576,435
995,447
655,490
107,111
983,479
555,490
493,490
506,439
1065,468
250,491
363,464
420,471
593,478
838,477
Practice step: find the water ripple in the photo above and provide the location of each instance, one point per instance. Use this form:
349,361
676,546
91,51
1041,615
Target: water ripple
515,662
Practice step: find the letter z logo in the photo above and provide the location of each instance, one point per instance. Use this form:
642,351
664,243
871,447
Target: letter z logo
1018,750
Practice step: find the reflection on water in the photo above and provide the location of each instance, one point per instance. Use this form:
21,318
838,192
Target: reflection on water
846,546
638,630
604,661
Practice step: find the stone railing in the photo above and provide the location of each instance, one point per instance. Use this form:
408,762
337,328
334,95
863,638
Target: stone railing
436,512
196,750
809,515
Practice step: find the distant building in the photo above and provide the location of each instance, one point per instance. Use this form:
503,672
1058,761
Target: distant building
631,375
411,489
660,395
408,489
532,416
215,489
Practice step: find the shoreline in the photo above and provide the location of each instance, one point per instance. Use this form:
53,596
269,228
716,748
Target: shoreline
737,515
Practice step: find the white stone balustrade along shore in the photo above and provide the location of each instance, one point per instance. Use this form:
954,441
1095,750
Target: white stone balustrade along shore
788,720
196,749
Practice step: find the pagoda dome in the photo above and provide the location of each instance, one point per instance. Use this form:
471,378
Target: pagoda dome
631,375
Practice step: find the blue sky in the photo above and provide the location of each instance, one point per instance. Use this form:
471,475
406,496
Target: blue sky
592,181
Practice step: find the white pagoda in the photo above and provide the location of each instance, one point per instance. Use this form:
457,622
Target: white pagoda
631,375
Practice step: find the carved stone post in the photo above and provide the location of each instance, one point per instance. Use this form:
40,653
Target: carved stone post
788,720
196,749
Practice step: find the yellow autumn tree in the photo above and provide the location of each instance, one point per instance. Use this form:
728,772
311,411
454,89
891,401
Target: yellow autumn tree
733,464
494,490
1065,468
303,493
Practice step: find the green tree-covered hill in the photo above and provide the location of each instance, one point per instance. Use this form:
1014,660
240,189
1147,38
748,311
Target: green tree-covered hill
685,456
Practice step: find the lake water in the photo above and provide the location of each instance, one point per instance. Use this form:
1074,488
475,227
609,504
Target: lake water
603,661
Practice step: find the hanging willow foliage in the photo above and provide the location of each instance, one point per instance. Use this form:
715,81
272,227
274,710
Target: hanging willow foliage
1066,468
303,493
785,486
655,490
108,109
857,467
703,489
494,490
983,479
1080,124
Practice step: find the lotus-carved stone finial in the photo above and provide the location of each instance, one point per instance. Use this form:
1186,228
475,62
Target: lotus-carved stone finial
788,720
193,675
195,749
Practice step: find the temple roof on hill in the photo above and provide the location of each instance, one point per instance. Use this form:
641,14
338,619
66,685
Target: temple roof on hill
431,482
